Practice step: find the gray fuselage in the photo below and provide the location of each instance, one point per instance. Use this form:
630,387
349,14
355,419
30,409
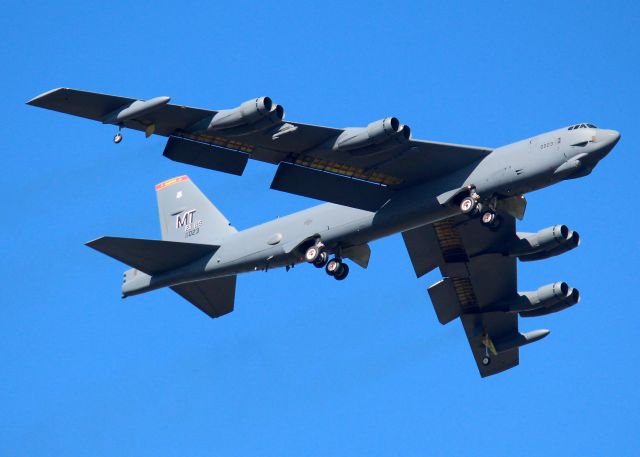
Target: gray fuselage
507,171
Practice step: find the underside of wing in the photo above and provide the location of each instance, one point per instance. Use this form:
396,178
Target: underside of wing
131,113
382,153
478,281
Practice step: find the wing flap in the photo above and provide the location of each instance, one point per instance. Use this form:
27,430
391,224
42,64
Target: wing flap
206,156
330,187
445,300
423,248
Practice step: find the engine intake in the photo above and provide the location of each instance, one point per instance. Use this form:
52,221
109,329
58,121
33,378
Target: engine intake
546,243
376,133
572,298
247,113
251,116
546,300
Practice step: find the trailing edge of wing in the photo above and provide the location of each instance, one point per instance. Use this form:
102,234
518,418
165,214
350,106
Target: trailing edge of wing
330,187
206,155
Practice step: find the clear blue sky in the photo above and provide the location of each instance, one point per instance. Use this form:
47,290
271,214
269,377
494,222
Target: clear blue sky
307,366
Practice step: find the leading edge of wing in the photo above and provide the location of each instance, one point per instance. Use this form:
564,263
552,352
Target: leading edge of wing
165,117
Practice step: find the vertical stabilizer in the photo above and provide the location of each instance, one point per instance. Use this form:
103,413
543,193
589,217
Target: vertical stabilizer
186,215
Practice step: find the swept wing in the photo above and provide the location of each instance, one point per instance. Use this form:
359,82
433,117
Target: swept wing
358,167
477,276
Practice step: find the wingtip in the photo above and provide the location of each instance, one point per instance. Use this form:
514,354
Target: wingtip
93,242
34,101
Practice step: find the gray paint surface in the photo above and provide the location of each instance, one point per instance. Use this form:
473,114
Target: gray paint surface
390,182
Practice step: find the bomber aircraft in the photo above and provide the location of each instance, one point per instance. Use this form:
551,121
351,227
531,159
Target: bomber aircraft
455,205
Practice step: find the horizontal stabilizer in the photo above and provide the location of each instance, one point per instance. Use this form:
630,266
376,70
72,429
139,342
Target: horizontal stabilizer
330,187
206,156
214,296
151,256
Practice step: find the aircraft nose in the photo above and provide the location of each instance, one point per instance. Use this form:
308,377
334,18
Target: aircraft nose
610,137
605,140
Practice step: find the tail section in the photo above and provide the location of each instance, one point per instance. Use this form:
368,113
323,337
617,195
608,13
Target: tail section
151,256
187,216
192,231
214,297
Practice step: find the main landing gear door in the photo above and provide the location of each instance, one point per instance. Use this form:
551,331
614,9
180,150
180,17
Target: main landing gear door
514,206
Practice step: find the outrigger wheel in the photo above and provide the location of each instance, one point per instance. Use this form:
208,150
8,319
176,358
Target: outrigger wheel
118,138
486,360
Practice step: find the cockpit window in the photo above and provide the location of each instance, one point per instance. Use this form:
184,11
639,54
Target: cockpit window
582,126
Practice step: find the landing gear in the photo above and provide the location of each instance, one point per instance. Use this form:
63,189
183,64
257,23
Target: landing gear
491,219
488,346
486,210
342,272
488,217
321,260
468,205
118,138
337,269
312,254
471,204
332,267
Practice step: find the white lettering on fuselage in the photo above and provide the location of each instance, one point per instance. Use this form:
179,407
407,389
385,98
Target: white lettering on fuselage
186,221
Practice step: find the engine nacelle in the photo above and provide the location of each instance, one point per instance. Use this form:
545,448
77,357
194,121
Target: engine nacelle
547,295
247,113
572,299
251,116
546,243
376,133
545,300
